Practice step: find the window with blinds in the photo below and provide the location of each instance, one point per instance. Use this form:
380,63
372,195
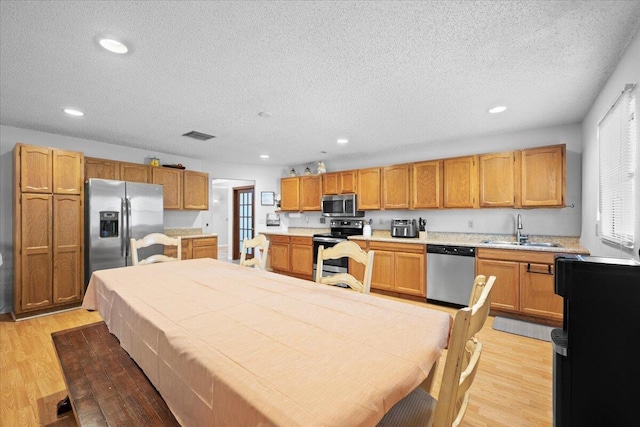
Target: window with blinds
618,168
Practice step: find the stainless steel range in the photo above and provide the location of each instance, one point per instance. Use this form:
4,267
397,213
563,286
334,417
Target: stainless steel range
340,230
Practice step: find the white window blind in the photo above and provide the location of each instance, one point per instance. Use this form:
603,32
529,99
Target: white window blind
618,166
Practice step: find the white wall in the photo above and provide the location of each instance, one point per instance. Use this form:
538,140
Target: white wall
627,71
266,179
553,222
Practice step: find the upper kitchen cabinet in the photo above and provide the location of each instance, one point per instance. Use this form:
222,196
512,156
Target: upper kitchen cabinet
461,182
310,192
497,179
171,180
47,170
426,185
330,183
543,179
343,182
395,187
369,197
290,194
195,190
135,172
101,168
348,183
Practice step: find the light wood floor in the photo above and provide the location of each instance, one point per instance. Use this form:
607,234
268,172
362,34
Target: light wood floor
512,387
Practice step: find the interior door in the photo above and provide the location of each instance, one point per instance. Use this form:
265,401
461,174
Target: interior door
243,217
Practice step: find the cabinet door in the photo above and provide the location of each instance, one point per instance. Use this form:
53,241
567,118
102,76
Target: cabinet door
537,295
279,253
171,181
506,289
355,268
68,237
310,192
290,194
195,190
348,182
302,256
496,179
36,173
37,252
426,185
410,273
461,182
395,188
382,276
68,172
135,172
330,183
543,176
100,168
205,247
369,189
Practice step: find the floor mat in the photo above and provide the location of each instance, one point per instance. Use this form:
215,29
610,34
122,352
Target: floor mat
519,327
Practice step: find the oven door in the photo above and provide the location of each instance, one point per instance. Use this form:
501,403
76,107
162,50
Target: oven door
330,266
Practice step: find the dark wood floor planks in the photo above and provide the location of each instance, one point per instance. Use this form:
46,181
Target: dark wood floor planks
105,385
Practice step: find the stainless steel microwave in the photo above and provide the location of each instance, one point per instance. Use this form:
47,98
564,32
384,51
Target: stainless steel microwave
343,205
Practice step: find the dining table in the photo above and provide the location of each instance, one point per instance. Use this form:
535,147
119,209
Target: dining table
230,345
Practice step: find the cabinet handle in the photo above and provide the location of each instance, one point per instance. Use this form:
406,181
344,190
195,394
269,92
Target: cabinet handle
549,272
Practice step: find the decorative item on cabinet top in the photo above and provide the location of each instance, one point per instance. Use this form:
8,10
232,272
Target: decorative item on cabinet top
321,167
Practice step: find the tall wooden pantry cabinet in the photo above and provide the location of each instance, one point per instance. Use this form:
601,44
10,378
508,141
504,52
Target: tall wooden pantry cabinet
48,229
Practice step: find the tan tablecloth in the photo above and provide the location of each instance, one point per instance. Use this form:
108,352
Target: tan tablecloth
230,345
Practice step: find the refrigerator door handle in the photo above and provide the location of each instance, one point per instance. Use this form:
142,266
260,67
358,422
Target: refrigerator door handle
129,233
124,234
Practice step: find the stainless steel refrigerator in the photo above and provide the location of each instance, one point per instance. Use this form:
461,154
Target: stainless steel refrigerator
116,211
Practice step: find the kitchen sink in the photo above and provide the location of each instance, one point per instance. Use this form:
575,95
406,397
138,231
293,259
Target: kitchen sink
534,244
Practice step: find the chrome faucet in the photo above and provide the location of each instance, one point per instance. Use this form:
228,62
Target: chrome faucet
520,237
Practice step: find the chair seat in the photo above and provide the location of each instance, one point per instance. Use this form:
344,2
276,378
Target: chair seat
417,409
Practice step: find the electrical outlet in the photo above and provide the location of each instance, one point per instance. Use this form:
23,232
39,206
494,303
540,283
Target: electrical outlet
380,221
470,223
322,220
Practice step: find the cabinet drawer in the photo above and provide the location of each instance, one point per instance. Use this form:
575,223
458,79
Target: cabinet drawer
278,238
205,241
516,255
417,248
301,240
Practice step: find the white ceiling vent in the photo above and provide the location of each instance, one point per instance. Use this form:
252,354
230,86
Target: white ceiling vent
198,135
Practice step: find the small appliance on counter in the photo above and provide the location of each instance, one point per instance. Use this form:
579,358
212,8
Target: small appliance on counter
273,220
404,227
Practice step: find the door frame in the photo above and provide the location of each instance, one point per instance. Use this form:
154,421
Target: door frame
236,217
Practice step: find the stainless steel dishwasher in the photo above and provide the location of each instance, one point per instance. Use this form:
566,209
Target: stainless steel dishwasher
450,274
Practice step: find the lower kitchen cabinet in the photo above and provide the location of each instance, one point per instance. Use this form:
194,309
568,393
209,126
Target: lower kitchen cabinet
524,282
291,255
196,247
397,267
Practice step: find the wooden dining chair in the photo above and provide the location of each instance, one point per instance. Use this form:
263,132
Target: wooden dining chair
352,251
260,248
479,284
155,239
419,408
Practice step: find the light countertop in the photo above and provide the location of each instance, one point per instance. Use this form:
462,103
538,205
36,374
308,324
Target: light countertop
191,233
569,244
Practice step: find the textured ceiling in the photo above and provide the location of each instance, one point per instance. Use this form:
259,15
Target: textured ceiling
381,73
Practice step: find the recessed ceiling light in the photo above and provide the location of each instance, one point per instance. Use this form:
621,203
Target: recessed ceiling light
264,114
498,109
113,46
342,140
264,156
72,112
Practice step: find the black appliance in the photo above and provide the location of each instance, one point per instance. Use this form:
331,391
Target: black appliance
342,205
340,230
594,353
